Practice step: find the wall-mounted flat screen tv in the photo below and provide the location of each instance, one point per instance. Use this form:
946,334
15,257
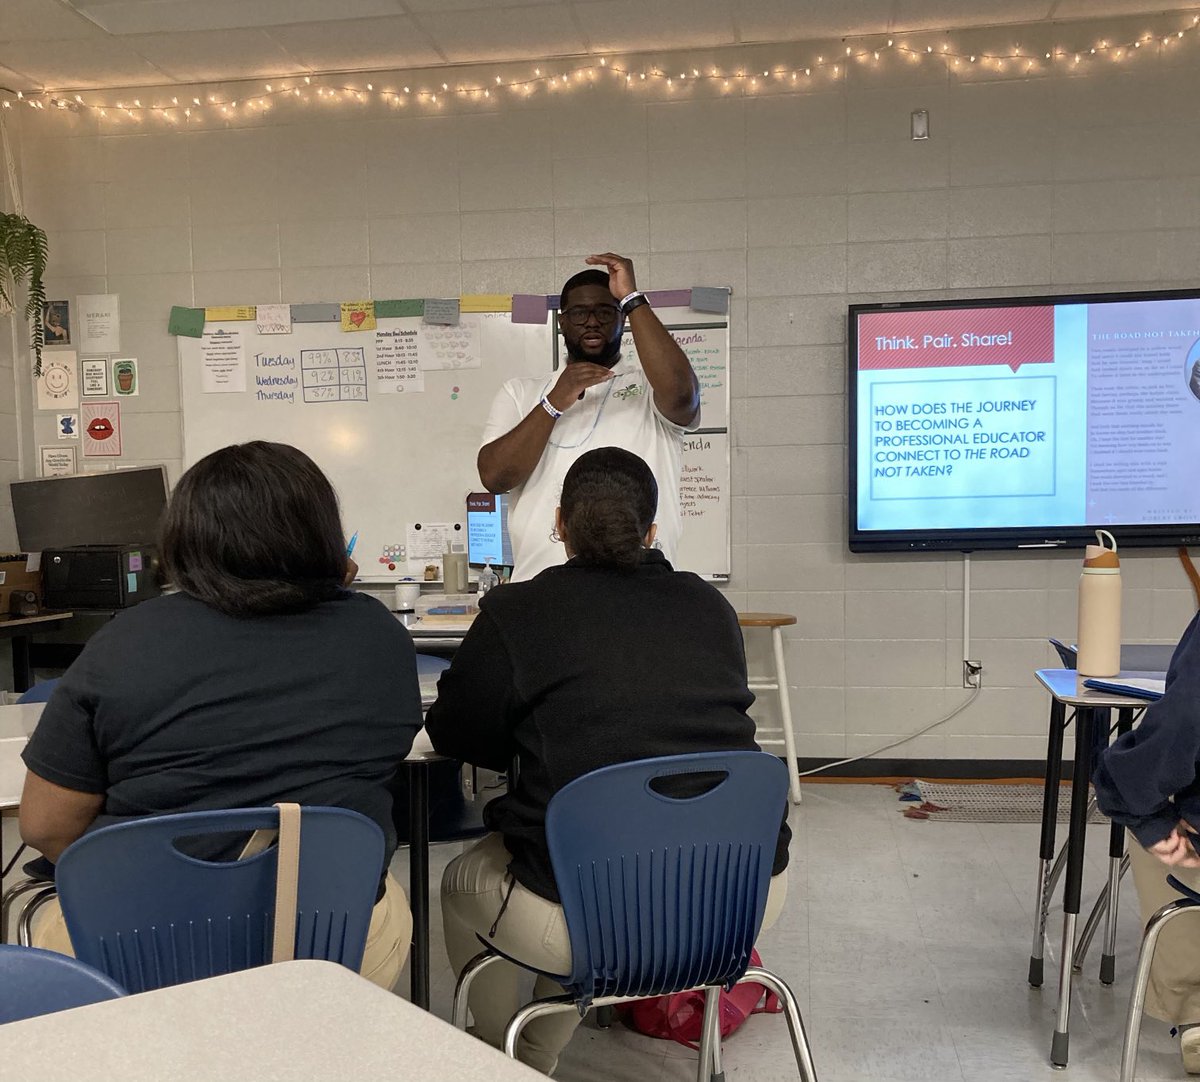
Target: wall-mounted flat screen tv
1025,422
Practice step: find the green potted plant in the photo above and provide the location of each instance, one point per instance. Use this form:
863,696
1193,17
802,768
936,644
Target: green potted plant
23,251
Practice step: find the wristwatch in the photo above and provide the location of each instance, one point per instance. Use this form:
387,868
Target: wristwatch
635,300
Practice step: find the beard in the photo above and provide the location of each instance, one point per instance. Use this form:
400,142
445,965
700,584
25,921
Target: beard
606,357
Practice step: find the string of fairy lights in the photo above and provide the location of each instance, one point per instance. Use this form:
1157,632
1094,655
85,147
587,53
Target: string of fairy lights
821,69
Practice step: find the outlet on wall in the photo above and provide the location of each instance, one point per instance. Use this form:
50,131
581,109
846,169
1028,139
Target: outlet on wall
972,674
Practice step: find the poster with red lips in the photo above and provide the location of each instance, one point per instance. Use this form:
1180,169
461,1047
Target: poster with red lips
100,429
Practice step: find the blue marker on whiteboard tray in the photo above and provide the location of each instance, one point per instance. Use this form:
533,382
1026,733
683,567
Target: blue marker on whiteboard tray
353,542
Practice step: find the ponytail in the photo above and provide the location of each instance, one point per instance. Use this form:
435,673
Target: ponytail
609,501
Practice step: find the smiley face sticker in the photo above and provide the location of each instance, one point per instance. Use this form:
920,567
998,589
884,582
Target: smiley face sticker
101,428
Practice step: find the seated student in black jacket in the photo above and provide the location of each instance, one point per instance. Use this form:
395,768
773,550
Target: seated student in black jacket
261,679
610,657
1149,781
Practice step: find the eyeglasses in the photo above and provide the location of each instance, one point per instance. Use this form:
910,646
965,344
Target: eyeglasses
605,313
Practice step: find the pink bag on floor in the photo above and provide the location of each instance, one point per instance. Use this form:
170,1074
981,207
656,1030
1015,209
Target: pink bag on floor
680,1016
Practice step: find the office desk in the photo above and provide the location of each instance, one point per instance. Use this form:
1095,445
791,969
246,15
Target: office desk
1091,731
20,629
278,1023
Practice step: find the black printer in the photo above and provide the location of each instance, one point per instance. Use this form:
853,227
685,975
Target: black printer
99,576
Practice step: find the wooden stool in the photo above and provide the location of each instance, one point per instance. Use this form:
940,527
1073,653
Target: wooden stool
776,621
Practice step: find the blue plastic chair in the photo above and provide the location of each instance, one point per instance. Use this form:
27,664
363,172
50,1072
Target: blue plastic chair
1188,902
34,982
40,692
150,916
662,894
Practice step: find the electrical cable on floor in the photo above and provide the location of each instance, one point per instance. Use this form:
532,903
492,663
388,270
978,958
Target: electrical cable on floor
896,743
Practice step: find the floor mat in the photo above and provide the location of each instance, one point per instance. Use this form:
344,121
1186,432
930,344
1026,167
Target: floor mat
983,803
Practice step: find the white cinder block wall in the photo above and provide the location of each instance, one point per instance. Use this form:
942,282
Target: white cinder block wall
1078,178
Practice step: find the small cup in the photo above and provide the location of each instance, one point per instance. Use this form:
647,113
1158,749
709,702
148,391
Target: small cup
407,595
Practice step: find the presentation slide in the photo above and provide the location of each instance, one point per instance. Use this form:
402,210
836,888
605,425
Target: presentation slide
487,530
1029,416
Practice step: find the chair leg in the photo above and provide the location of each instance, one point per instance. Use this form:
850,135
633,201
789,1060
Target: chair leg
791,1010
17,890
1141,980
604,1017
25,924
552,1005
709,1067
785,715
462,990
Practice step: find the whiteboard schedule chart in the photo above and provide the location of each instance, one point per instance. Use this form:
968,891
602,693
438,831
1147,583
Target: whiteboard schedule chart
393,416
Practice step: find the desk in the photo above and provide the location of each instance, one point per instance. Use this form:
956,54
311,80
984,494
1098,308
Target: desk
1091,707
20,629
289,1021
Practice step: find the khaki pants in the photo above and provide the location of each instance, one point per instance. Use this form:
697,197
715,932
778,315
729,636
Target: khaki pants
388,937
1174,992
532,929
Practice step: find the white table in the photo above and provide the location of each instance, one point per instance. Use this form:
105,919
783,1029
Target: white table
299,1020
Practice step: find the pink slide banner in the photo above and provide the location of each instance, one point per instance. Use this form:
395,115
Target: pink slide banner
956,337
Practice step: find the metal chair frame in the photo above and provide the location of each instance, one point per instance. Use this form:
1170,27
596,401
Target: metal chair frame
1188,902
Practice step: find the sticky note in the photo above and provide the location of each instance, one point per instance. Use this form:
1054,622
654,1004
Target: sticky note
274,318
399,309
529,308
486,302
669,298
316,313
229,312
444,311
710,299
186,322
358,315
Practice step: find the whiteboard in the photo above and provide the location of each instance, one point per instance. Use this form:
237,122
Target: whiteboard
400,445
396,458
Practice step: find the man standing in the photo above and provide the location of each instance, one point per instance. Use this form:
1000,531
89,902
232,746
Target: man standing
539,425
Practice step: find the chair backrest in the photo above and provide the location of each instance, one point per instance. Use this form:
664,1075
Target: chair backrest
40,692
34,982
663,893
150,915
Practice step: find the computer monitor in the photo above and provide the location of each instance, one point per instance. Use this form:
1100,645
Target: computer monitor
487,530
114,507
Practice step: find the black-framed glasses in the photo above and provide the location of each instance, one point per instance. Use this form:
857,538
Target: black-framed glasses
605,314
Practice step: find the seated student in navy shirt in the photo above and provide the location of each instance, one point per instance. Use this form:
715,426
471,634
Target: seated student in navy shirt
261,679
1149,781
610,657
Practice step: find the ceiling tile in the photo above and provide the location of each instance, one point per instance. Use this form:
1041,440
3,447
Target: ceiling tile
159,16
357,44
524,33
656,24
80,64
42,20
807,20
203,55
439,6
956,14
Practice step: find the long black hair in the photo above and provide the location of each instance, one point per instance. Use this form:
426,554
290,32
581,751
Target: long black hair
254,529
609,500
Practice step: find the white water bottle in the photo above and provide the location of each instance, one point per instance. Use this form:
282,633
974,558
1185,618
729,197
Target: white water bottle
1099,632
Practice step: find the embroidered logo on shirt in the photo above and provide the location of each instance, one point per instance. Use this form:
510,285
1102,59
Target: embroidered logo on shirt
632,391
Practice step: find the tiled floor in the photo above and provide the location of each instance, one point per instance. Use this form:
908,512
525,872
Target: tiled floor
907,944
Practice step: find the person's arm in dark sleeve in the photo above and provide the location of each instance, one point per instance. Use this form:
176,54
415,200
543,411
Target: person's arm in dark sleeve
1137,778
67,775
470,720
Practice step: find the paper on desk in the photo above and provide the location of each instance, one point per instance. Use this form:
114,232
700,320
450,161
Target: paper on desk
1139,686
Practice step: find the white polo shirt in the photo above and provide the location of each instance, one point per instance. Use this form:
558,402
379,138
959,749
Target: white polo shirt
617,413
